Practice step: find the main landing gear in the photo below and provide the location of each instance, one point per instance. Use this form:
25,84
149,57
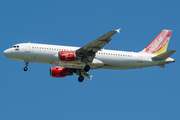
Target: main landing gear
86,68
81,78
26,68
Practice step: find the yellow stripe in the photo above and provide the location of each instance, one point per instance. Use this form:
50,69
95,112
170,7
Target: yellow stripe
162,50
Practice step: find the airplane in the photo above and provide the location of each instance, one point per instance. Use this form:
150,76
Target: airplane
80,60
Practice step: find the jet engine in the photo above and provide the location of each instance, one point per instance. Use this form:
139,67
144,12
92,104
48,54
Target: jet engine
59,72
66,56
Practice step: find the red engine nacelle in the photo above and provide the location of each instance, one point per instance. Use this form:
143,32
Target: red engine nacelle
59,72
66,56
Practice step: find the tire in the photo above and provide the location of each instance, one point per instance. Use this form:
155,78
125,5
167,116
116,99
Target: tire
86,68
81,78
25,68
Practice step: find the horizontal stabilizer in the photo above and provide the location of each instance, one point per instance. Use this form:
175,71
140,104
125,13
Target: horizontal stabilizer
164,55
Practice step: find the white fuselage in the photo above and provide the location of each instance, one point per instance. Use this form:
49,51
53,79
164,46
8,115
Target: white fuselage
110,59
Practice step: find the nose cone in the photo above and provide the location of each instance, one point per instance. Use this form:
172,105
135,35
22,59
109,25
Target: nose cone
6,52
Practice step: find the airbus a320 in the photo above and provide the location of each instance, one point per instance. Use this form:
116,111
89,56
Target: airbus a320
80,60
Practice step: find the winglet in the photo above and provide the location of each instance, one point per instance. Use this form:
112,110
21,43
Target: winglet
91,77
118,30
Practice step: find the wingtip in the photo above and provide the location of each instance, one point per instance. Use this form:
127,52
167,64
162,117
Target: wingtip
118,30
91,77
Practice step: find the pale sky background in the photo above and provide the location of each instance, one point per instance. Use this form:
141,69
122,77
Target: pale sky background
138,94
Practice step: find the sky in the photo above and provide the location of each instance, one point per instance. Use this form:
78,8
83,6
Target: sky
138,94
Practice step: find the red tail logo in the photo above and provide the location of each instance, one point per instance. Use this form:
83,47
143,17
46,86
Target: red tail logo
159,44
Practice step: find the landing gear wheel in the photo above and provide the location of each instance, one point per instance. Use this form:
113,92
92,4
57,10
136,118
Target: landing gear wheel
86,68
81,78
25,68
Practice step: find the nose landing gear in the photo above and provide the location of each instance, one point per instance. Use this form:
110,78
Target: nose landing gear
26,68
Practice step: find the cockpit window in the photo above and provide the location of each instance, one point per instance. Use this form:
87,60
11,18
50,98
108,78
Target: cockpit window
15,46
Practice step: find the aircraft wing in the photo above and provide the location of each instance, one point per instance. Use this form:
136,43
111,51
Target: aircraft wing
90,49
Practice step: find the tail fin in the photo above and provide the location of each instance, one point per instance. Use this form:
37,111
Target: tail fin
159,44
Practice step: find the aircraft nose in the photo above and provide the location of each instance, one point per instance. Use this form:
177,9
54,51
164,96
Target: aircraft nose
6,52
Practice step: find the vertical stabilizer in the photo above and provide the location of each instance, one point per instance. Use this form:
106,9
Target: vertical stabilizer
159,44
